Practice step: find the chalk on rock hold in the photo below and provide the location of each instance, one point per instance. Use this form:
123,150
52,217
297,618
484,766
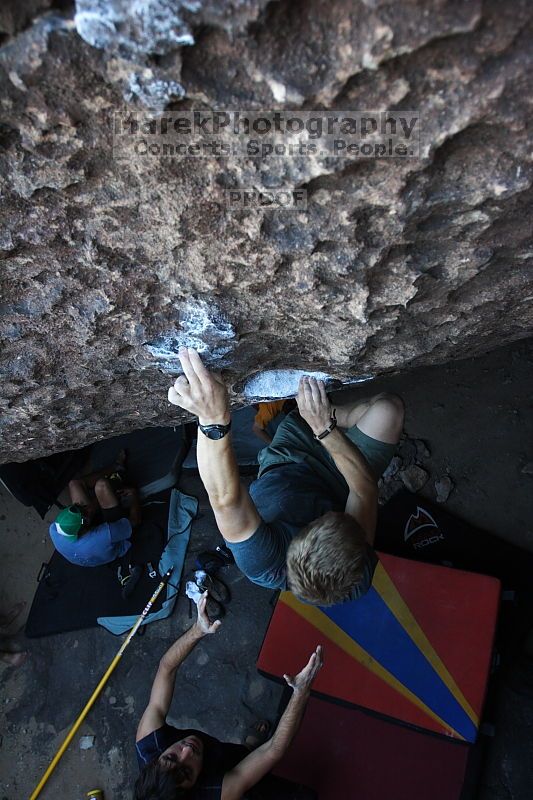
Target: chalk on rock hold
276,383
528,469
272,384
201,326
86,742
414,478
443,488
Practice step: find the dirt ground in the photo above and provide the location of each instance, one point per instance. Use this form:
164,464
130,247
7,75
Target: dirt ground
475,417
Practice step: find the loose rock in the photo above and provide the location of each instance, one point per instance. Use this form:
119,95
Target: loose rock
414,477
443,487
389,489
392,470
86,742
422,450
407,450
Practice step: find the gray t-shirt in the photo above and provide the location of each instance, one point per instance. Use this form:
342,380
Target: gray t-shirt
287,497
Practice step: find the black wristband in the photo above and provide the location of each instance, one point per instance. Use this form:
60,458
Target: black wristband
332,426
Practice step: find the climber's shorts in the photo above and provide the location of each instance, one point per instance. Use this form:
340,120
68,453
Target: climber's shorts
294,442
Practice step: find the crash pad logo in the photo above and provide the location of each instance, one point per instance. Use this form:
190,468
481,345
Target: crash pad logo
421,529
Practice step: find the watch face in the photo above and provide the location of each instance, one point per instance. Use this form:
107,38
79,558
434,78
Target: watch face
215,433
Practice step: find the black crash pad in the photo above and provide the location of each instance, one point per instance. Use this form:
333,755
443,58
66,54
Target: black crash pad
69,597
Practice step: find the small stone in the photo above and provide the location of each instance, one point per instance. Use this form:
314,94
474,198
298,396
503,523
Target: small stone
443,488
388,490
112,700
407,450
422,450
528,469
392,470
86,742
414,478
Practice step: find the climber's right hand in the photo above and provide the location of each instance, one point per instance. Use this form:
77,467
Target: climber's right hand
199,391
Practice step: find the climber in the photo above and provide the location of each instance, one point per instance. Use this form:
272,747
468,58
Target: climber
171,760
308,522
92,531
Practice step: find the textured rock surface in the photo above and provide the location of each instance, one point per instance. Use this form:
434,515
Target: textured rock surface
106,265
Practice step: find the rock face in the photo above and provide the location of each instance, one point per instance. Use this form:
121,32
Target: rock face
110,259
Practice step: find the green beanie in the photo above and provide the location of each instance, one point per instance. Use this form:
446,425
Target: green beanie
69,521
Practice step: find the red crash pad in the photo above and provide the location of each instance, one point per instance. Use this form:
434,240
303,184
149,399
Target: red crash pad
417,647
346,753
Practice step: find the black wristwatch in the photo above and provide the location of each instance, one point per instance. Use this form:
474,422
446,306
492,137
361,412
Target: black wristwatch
215,431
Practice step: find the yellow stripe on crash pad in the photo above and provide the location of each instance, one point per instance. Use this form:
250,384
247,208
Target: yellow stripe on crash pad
384,586
335,634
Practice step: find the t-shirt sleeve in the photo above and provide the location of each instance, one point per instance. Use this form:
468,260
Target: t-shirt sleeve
153,744
262,557
120,530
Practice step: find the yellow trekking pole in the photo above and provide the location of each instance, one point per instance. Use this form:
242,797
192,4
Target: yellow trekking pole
37,791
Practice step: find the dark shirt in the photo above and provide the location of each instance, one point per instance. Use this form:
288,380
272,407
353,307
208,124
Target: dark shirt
219,758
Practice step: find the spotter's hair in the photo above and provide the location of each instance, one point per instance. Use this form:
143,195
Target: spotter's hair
326,559
156,783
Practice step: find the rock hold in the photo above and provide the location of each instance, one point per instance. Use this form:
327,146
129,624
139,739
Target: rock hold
392,263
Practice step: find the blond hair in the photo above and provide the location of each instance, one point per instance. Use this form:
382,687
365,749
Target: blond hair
326,559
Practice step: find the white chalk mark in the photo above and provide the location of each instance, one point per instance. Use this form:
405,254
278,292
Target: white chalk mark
279,383
200,326
152,92
133,29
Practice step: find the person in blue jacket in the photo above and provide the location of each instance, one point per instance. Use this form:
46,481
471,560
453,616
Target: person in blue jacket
94,531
